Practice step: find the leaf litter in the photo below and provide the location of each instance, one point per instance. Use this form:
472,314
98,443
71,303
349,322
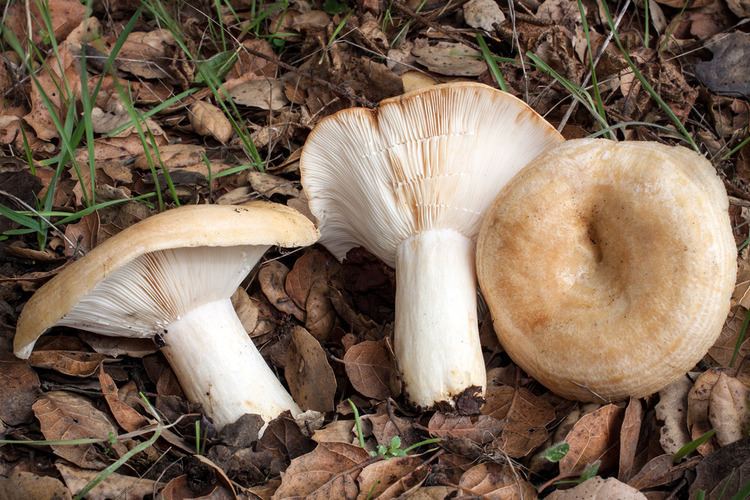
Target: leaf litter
224,123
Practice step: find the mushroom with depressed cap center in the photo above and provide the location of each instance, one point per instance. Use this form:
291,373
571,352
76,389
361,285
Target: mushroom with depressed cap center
608,267
410,182
172,275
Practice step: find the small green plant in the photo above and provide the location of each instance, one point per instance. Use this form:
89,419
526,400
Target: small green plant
556,452
590,471
692,446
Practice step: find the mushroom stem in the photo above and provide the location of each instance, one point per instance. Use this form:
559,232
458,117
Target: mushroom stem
218,366
436,335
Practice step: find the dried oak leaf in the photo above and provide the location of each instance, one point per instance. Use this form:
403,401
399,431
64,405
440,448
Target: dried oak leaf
63,415
597,488
370,369
115,486
329,471
496,481
723,473
146,54
629,434
377,478
28,486
20,389
74,363
209,120
525,424
482,429
729,409
594,437
672,410
308,373
340,431
127,417
661,470
271,278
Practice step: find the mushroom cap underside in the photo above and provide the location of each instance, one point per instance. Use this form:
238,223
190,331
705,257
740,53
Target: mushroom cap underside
609,267
255,223
430,159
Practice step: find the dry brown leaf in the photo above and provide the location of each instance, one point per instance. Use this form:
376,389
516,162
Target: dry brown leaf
268,185
20,389
84,234
271,278
246,308
385,426
340,431
449,58
322,474
321,316
593,437
484,14
265,93
496,482
370,369
10,127
172,156
308,373
498,399
729,409
144,54
314,265
727,72
740,8
597,488
672,410
430,493
415,80
209,120
659,471
127,417
525,424
63,415
58,75
179,488
629,434
115,486
27,486
481,429
74,363
376,478
698,408
119,346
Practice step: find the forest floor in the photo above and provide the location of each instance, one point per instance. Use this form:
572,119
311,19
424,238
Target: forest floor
115,111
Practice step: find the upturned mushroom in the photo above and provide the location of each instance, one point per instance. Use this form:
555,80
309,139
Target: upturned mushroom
608,267
410,182
171,276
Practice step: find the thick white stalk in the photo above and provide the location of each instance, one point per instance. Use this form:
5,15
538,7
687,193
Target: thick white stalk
218,366
436,332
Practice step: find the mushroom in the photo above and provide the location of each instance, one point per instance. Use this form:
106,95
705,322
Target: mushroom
171,277
410,182
608,267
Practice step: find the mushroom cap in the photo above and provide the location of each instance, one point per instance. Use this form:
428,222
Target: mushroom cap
433,158
255,223
608,267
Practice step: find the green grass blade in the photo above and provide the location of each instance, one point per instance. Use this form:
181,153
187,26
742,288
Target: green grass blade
489,58
692,446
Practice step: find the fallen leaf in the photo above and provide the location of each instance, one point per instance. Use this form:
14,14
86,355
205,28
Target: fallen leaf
629,434
597,488
494,481
525,424
74,363
370,369
118,346
171,156
314,265
84,234
431,493
726,73
268,185
740,8
28,486
729,409
593,437
265,93
339,431
415,80
308,373
67,416
484,14
498,399
376,478
385,426
698,408
20,389
327,472
321,317
724,473
127,417
246,309
271,278
449,58
145,54
209,120
481,429
661,470
672,410
284,436
114,486
181,488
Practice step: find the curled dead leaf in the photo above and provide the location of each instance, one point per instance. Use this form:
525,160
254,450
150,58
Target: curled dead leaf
672,410
370,369
593,437
74,363
271,278
264,93
496,481
597,488
209,120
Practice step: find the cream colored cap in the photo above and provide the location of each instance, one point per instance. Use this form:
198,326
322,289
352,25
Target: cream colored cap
608,267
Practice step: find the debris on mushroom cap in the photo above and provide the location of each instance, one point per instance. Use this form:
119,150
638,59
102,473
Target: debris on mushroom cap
410,182
608,267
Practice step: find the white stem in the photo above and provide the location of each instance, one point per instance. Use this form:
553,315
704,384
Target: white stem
218,366
436,332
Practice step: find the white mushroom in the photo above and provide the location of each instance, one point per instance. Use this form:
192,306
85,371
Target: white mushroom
171,276
410,182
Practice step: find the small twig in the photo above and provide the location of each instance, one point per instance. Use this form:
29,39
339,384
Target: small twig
599,55
449,32
337,89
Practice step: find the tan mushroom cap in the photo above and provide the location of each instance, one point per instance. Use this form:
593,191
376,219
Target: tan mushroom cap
255,223
608,267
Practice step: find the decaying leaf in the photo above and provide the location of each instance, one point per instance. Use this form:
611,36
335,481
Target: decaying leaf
264,93
482,429
484,14
268,185
370,369
20,389
28,486
525,424
629,434
597,488
449,58
659,471
271,278
209,120
314,265
246,309
66,416
321,317
340,431
308,373
327,472
115,486
723,473
727,72
496,481
376,478
672,410
698,408
118,346
127,417
593,437
729,409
